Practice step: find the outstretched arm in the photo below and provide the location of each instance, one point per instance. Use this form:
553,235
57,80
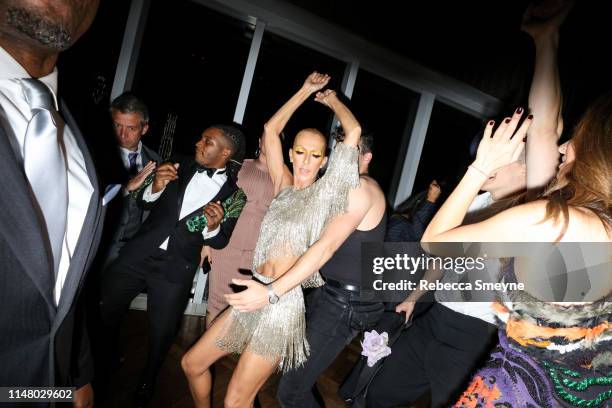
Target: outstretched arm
273,128
542,23
335,233
415,227
523,223
352,129
494,151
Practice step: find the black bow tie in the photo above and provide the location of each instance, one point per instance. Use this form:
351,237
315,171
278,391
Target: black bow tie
209,171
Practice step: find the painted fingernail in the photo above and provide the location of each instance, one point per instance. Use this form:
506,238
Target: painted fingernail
519,110
491,122
507,120
530,117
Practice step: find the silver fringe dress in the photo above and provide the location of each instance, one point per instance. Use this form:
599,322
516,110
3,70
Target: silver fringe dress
292,224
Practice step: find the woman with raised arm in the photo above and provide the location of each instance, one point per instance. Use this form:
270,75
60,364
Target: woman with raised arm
274,336
549,353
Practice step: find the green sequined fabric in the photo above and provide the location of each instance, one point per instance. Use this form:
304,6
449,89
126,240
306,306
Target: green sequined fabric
567,383
232,207
145,184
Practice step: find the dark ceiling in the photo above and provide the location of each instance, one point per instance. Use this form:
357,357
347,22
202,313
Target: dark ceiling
480,42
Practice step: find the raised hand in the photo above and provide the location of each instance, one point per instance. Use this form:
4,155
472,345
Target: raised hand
166,173
504,147
326,97
316,82
545,17
136,181
433,192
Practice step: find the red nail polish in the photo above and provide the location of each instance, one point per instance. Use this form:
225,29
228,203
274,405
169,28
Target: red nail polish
507,121
530,117
491,122
519,110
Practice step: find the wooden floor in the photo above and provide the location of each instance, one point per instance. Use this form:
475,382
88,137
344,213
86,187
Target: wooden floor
172,390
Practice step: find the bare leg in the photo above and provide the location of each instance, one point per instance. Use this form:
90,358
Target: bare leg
197,361
211,318
249,376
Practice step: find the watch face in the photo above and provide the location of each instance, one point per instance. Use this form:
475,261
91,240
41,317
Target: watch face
272,297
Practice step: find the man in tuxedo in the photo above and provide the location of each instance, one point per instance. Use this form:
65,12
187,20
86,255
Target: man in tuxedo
164,254
50,210
134,162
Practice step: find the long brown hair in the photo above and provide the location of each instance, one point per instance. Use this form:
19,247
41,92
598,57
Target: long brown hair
587,182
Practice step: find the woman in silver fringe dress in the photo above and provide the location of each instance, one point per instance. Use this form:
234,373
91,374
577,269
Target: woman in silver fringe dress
274,336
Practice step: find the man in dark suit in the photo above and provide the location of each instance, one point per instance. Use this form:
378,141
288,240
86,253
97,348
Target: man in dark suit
164,254
50,210
133,162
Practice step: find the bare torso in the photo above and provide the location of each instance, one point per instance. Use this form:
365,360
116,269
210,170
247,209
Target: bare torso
275,268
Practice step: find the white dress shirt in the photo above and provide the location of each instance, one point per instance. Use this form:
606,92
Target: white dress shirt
200,190
125,157
18,115
479,310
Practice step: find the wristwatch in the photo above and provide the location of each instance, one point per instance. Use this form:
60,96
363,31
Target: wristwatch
272,297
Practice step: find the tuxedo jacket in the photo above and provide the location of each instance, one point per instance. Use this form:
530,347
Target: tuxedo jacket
184,247
36,337
123,216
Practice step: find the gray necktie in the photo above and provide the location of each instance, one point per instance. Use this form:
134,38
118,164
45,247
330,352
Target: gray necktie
44,162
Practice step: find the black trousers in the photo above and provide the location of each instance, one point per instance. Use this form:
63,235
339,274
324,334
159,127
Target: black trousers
334,317
438,353
166,302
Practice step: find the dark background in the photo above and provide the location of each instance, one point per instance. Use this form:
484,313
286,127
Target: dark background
192,61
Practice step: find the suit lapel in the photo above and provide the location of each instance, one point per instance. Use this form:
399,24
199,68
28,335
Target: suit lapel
184,181
225,191
21,222
148,155
85,248
144,155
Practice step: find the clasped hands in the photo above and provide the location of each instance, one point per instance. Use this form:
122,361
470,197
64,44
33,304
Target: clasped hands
314,83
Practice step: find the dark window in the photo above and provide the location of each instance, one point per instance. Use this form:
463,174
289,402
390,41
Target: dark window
446,152
387,110
191,63
282,67
87,71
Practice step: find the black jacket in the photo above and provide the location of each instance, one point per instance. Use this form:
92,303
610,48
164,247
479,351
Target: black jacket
184,246
39,345
402,229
